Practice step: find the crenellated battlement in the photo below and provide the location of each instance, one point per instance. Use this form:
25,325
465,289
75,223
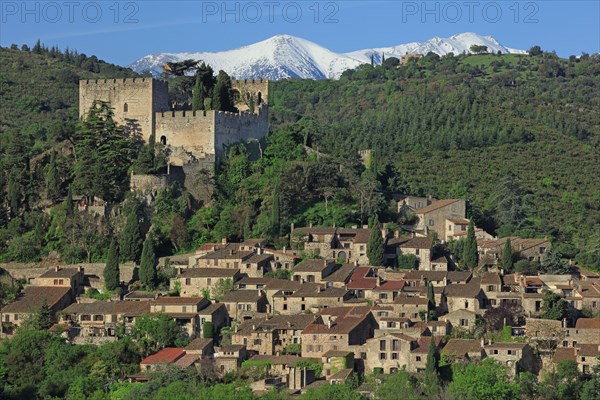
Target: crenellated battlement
252,81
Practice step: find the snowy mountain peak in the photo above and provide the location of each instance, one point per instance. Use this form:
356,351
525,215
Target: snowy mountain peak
286,56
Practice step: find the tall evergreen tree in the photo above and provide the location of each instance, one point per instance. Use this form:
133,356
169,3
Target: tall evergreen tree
431,369
44,318
68,203
222,94
276,213
148,274
470,255
507,256
198,93
430,296
52,179
131,237
375,246
111,269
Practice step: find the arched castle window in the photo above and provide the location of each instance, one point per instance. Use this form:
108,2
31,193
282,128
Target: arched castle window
163,140
259,100
125,107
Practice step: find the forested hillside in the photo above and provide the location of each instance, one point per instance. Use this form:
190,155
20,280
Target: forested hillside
516,135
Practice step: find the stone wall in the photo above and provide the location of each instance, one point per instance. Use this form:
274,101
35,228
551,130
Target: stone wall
134,101
30,271
193,131
257,88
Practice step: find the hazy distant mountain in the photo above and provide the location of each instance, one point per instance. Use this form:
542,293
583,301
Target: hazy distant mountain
285,56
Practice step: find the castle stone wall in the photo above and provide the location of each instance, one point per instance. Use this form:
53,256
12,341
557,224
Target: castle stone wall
231,128
134,101
193,131
258,88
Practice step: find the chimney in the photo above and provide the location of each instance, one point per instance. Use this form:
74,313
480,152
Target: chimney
57,268
564,322
356,263
310,225
80,268
397,233
292,227
482,342
179,270
329,323
224,240
259,251
284,248
231,251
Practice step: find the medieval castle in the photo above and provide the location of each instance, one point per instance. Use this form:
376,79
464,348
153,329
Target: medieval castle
194,141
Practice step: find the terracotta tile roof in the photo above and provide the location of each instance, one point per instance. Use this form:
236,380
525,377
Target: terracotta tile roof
345,323
283,284
61,273
186,361
429,275
312,266
211,309
511,279
436,205
360,280
458,221
458,276
32,298
491,278
210,247
341,274
199,344
242,296
464,290
413,300
532,281
440,260
209,273
390,285
423,344
258,258
564,354
592,350
166,300
165,356
460,347
587,323
130,308
231,348
282,253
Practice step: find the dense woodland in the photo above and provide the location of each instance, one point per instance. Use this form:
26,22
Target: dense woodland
516,135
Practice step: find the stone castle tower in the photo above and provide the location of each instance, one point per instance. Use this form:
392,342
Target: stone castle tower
141,105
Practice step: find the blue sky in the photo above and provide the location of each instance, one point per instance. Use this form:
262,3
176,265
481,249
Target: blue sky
123,31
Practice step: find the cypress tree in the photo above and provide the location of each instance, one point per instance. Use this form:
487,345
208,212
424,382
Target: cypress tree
276,214
507,257
68,203
431,369
431,296
198,93
148,273
375,246
111,269
470,255
131,237
52,179
222,97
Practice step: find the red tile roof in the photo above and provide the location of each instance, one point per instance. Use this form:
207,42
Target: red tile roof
588,323
436,205
391,285
165,356
359,279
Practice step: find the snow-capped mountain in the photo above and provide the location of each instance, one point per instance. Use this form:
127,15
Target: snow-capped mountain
285,56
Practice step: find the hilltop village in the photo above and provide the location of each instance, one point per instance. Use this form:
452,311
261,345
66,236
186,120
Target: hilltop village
319,311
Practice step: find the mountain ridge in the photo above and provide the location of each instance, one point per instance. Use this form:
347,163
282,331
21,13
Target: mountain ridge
286,56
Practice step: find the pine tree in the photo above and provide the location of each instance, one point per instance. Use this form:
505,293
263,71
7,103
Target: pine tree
375,246
507,256
52,179
148,274
111,270
44,318
131,237
431,369
470,255
222,94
